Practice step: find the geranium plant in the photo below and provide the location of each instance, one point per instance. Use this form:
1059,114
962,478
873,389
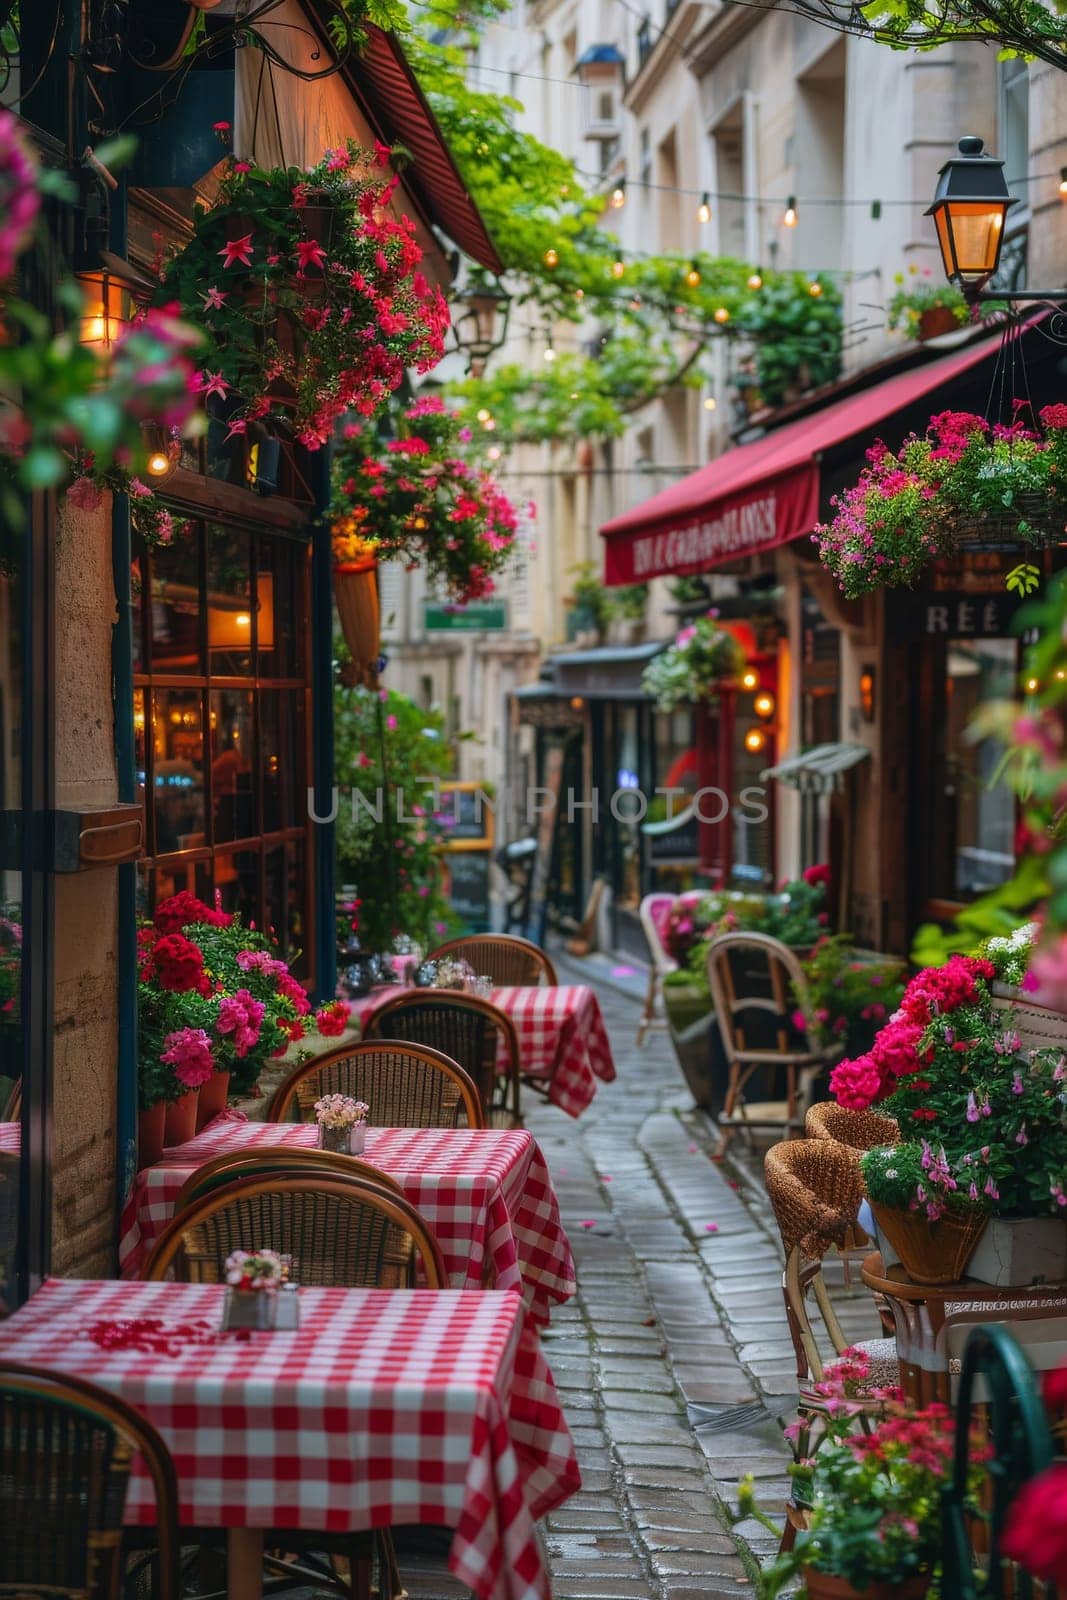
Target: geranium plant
849,998
150,518
213,997
919,292
420,498
910,507
693,668
311,293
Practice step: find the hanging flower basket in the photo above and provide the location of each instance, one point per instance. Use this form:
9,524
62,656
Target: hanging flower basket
961,485
355,591
418,498
310,293
694,668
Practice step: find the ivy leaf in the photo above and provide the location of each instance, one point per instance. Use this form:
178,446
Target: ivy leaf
1023,579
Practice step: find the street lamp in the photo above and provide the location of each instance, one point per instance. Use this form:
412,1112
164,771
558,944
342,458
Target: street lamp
483,326
971,202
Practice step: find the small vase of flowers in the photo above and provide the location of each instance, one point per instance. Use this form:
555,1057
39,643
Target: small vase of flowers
342,1124
253,1279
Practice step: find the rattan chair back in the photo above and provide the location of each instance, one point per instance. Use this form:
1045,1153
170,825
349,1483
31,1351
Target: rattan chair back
511,962
65,1452
757,984
405,1085
857,1130
471,1031
12,1111
338,1232
815,1189
270,1161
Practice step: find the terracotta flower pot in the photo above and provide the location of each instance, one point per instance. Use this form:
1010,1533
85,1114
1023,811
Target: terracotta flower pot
180,1123
212,1101
356,592
931,1252
150,1124
935,321
825,1586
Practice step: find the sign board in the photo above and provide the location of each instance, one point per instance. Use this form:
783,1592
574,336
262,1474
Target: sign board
477,616
963,615
466,813
468,888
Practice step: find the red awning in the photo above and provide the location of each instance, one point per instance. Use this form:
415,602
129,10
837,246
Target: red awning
764,494
385,87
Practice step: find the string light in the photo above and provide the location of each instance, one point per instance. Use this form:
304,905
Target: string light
790,218
617,269
1063,183
755,279
551,257
704,208
1032,685
750,678
710,402
721,315
755,741
815,288
579,294
484,415
549,352
618,195
692,277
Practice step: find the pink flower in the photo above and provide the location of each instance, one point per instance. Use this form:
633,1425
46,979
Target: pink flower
310,253
85,494
260,961
188,1051
138,490
241,1015
214,299
237,252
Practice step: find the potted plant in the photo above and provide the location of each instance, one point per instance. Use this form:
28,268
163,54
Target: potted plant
214,1004
589,605
796,337
418,497
925,308
693,669
923,1210
254,1280
983,1127
850,995
960,481
310,292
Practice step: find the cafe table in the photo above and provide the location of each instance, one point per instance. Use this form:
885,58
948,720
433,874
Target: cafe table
563,1041
486,1194
385,1408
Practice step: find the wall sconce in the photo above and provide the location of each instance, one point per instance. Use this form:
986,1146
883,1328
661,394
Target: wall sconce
764,705
577,703
105,309
162,453
867,693
750,679
755,741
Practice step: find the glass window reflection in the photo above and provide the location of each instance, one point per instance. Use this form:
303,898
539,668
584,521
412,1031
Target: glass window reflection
178,770
233,765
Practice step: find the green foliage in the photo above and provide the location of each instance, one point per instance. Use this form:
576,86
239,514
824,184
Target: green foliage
994,916
693,668
796,336
849,997
388,840
918,292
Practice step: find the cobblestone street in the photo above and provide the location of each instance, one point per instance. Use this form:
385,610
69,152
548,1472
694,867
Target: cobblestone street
673,1361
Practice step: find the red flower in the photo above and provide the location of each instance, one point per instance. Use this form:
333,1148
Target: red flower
1036,1531
924,1114
293,991
178,963
1055,1388
332,1020
182,908
817,874
237,251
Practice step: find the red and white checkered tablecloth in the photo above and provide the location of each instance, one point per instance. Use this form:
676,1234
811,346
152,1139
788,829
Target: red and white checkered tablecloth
562,1037
385,1407
486,1194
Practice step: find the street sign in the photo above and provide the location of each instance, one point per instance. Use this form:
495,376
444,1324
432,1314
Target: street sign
477,616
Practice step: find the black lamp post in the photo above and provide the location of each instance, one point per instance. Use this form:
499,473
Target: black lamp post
971,204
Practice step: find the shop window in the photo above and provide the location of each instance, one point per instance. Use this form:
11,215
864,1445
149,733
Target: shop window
974,814
221,654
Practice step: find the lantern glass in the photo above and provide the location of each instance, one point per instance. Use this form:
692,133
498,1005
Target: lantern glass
970,233
105,310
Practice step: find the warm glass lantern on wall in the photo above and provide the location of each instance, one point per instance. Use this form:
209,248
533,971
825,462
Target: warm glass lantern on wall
970,205
105,309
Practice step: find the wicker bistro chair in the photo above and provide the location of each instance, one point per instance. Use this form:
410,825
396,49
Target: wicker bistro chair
652,908
857,1130
511,962
405,1085
65,1453
756,985
815,1190
277,1161
467,1029
341,1232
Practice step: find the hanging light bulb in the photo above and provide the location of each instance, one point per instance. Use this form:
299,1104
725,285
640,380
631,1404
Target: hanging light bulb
710,402
815,288
579,294
484,414
755,741
755,279
551,257
789,220
549,352
704,208
493,452
750,678
692,277
721,315
618,195
617,269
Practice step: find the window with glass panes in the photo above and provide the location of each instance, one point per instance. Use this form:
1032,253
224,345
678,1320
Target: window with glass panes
221,720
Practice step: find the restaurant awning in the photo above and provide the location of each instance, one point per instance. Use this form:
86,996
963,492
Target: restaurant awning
819,770
764,494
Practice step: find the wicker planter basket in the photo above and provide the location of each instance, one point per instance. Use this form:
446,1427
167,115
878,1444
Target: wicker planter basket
1043,526
355,590
931,1252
